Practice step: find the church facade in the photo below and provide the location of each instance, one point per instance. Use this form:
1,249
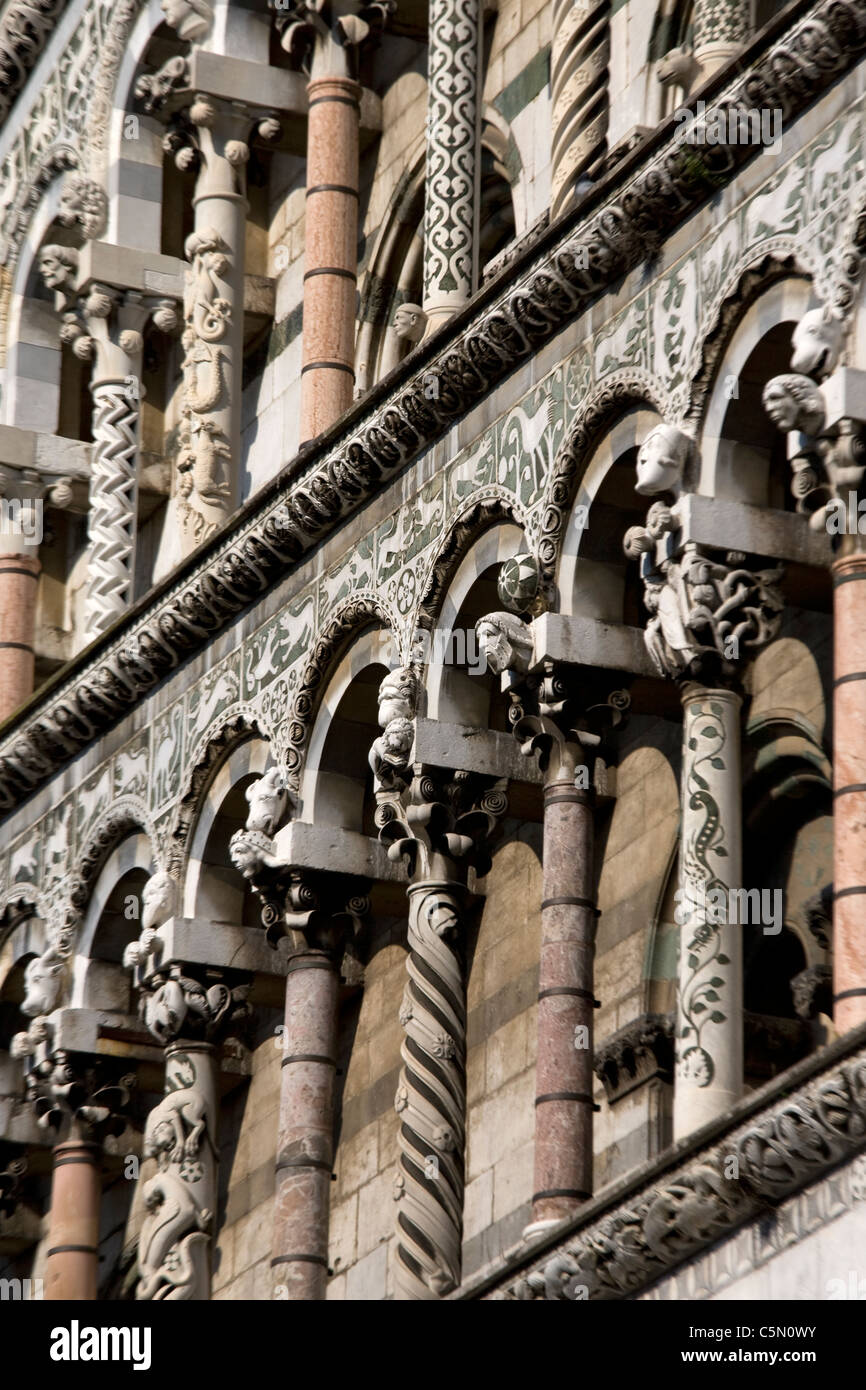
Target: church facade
432,667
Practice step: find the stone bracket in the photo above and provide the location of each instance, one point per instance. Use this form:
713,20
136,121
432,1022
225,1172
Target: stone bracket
765,531
126,267
332,850
575,641
472,750
215,945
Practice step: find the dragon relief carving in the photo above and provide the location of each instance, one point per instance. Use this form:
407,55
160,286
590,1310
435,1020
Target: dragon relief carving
173,1252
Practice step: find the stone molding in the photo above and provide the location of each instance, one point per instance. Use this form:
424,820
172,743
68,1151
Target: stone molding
332,479
24,30
795,1131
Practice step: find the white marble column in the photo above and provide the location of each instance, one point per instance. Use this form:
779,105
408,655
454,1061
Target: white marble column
451,187
709,1023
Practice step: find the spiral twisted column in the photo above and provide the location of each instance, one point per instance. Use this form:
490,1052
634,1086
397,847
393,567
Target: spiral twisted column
451,186
580,54
113,503
431,1098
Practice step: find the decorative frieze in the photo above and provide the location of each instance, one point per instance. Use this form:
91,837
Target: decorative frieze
652,1231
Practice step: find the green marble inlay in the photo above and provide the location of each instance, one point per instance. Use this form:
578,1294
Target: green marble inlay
524,88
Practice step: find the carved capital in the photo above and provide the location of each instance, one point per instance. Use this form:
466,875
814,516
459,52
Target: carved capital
636,1054
73,1095
191,1002
708,610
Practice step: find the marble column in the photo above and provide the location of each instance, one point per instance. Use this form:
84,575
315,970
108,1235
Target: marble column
849,787
305,1142
564,1075
708,614
827,450
20,537
72,1254
331,251
78,1099
175,1243
548,720
710,993
721,31
103,324
438,822
188,1010
113,517
579,59
208,469
453,154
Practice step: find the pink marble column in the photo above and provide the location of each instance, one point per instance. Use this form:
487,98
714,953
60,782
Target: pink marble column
72,1259
563,1101
19,582
330,273
305,1141
849,791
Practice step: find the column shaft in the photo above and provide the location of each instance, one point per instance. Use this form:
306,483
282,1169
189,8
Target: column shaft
331,253
451,187
305,1145
564,1072
72,1260
579,58
720,31
209,459
431,1099
112,521
175,1245
709,1033
19,576
849,784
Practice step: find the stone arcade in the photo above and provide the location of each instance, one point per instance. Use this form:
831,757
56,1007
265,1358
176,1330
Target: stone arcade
434,603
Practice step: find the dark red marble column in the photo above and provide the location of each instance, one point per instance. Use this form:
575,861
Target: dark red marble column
305,1142
563,1101
72,1260
849,791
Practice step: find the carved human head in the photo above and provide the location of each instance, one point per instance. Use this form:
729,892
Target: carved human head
505,642
249,850
191,18
58,265
158,900
793,402
816,342
398,694
662,459
410,322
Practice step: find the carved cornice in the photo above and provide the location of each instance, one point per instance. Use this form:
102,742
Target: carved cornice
615,230
789,1138
24,31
